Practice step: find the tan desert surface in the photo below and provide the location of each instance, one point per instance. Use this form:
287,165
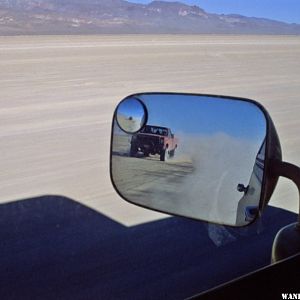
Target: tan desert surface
58,94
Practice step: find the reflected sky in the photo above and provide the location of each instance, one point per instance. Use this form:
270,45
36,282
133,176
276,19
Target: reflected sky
202,115
131,107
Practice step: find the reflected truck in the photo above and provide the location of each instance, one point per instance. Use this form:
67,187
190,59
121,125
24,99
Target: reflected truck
154,140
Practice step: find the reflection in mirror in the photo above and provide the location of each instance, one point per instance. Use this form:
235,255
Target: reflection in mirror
197,156
131,115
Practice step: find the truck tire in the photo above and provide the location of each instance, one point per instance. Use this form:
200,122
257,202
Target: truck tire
133,151
172,153
164,155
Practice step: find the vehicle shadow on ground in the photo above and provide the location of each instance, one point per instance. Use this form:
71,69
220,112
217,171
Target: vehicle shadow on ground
53,247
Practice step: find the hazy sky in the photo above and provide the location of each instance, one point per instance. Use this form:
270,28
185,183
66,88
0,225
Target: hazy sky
283,10
206,116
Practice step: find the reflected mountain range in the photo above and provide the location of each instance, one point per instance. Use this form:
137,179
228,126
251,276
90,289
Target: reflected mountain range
31,17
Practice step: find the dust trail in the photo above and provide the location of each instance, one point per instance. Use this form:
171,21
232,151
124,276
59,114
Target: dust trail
220,163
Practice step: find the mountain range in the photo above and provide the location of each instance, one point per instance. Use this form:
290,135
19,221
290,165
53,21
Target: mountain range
19,17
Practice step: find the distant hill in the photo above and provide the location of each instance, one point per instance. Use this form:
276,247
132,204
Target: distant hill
118,16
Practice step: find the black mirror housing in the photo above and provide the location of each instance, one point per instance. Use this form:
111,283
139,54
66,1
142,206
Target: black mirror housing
273,153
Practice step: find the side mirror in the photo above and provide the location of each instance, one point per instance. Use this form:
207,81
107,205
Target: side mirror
221,167
215,169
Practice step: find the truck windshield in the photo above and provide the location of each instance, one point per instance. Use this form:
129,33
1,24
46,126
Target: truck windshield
155,130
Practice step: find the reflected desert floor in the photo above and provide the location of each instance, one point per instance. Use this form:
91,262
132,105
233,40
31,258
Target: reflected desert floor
58,95
200,181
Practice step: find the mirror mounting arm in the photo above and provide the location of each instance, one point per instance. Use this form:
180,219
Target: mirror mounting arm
290,171
287,240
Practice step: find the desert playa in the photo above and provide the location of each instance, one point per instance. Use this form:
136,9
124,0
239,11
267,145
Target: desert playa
58,94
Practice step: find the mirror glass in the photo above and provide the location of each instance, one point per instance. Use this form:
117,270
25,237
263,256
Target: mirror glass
196,156
131,115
